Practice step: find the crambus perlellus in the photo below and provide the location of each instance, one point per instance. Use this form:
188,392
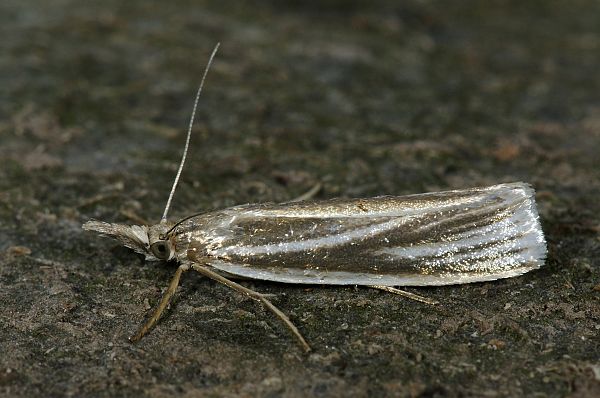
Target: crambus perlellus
430,239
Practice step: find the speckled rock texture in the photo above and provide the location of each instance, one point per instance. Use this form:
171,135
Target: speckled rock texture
385,98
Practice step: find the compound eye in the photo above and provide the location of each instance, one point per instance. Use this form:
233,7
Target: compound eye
160,250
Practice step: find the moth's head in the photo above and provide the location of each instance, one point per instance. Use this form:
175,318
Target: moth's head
143,239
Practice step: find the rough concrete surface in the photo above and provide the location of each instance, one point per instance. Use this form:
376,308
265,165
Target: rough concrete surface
385,98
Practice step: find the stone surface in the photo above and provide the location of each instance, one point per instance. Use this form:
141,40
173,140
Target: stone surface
373,99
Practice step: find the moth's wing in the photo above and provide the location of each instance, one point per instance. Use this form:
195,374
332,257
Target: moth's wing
438,238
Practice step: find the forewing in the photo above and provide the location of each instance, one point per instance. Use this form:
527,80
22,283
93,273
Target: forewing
428,239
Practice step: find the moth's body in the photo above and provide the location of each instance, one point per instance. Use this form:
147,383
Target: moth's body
438,238
441,238
428,239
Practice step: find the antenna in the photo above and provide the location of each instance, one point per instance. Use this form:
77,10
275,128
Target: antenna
189,134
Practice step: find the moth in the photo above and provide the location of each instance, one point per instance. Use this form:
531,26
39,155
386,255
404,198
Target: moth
429,239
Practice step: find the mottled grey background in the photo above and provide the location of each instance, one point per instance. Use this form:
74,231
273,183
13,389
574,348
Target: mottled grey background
387,98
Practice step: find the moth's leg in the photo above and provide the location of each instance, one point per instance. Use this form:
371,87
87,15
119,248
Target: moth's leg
166,298
406,294
309,194
255,296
